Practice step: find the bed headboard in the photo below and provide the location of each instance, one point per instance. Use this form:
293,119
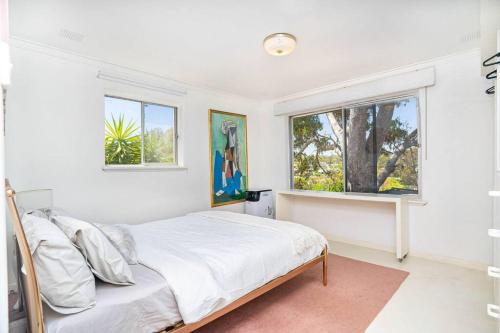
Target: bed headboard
33,199
29,281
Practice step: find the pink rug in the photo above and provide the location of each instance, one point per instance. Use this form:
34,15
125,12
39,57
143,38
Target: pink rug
355,294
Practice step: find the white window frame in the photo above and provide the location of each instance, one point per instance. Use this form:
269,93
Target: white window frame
419,94
144,97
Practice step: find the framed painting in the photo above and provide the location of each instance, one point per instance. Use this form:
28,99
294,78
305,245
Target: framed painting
228,157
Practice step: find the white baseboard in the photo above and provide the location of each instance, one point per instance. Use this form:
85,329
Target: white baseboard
451,260
416,254
361,243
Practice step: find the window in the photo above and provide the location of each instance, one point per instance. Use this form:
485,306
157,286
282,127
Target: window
368,148
139,133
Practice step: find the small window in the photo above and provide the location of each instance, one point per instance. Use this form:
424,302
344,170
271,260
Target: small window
139,133
367,148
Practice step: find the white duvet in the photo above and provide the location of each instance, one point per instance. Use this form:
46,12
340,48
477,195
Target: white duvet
211,258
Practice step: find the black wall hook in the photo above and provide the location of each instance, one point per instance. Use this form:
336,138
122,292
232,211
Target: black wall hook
485,63
490,90
492,75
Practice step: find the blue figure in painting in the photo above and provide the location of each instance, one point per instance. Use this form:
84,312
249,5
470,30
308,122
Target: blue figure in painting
227,175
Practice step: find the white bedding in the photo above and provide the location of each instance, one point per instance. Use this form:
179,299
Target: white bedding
210,259
148,306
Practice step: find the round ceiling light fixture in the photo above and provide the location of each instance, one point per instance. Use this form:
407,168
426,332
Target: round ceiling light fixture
280,44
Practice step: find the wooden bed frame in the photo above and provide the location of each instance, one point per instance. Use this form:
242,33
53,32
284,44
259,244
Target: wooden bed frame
33,302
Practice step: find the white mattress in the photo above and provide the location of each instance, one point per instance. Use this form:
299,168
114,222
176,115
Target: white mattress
148,306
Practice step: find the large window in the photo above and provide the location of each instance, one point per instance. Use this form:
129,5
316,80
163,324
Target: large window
139,133
368,148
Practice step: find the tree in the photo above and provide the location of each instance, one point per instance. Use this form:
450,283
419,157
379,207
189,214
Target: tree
122,142
379,150
316,171
159,146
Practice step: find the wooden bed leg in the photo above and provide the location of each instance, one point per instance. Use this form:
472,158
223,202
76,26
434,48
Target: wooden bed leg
325,266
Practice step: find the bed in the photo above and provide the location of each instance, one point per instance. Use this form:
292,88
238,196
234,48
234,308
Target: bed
192,271
146,306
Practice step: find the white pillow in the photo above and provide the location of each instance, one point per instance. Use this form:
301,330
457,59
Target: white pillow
66,282
106,262
45,213
122,240
37,212
52,211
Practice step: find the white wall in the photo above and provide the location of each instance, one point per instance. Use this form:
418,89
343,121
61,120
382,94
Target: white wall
455,176
55,131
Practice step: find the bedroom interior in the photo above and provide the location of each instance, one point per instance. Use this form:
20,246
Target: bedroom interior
264,166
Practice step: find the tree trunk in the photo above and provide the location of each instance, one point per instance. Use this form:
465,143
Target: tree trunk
365,141
359,160
364,144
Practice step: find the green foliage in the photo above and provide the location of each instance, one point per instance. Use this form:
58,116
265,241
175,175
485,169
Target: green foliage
317,181
407,168
392,183
159,146
122,142
405,175
305,130
317,165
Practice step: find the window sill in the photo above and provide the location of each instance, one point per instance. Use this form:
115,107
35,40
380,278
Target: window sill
142,168
412,199
417,202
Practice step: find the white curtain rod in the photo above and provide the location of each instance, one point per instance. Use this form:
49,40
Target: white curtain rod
132,82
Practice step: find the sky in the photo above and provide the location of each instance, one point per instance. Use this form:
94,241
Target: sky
155,116
158,116
406,113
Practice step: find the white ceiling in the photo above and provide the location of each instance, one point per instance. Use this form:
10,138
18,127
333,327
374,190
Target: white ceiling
218,43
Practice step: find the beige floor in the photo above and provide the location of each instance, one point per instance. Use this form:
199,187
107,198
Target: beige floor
435,297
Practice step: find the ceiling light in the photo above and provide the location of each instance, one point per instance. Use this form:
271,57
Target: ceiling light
280,44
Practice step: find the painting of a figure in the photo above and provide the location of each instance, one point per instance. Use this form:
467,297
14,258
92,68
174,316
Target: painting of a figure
228,157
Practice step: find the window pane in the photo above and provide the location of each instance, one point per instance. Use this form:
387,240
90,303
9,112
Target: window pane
317,152
123,131
159,133
382,147
397,165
